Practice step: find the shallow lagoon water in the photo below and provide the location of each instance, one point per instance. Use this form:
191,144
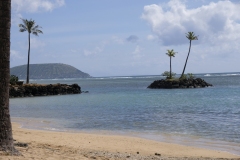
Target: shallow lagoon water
205,117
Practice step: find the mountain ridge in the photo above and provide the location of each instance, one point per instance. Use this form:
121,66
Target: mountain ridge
48,71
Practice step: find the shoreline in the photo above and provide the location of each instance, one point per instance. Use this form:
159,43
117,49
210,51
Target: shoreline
79,145
185,140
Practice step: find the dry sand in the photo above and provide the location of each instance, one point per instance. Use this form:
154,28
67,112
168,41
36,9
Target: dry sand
49,145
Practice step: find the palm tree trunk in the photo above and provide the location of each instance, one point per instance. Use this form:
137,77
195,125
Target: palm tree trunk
186,59
170,67
28,58
6,139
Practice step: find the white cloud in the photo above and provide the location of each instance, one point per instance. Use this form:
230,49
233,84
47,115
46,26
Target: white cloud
151,37
137,50
14,55
36,5
73,51
137,53
96,50
16,19
87,52
214,23
35,43
117,40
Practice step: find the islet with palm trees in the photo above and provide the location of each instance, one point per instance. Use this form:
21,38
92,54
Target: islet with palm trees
185,80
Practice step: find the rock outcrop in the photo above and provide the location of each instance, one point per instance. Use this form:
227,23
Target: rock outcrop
30,90
185,83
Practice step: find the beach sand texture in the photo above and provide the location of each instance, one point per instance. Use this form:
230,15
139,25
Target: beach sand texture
50,145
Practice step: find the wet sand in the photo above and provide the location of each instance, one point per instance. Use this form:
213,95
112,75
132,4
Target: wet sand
38,144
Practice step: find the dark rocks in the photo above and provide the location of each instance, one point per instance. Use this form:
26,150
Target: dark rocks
30,90
20,144
177,83
157,154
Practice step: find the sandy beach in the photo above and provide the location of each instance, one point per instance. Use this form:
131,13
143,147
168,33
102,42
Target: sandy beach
38,144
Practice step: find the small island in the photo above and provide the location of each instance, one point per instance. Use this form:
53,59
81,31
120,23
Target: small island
48,71
179,83
185,80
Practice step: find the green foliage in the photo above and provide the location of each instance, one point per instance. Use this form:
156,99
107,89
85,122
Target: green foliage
187,76
171,53
13,79
190,76
30,26
167,74
184,76
191,36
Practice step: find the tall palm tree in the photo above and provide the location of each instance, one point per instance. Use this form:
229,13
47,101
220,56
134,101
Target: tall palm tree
6,139
191,36
31,27
171,54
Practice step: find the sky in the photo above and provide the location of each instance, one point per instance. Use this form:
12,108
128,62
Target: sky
128,38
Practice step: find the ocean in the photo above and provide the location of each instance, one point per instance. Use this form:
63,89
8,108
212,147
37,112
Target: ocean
203,117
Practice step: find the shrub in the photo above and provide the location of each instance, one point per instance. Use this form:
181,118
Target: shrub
190,76
167,74
13,79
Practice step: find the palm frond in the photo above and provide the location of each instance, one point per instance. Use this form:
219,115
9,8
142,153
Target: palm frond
22,26
24,21
39,31
35,33
36,27
22,30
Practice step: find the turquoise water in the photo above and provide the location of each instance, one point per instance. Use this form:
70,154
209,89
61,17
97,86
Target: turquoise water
205,117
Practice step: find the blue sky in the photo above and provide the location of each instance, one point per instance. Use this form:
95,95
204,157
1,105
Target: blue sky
123,38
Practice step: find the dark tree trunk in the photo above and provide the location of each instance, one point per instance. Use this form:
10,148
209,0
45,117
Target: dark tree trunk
6,139
170,67
27,81
186,60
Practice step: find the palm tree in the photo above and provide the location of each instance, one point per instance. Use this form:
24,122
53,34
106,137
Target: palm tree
31,27
191,36
171,54
6,139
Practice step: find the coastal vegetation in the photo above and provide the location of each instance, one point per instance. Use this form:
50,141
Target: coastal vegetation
48,71
13,79
171,54
31,27
190,36
167,74
185,80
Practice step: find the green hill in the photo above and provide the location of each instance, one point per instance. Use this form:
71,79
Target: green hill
48,71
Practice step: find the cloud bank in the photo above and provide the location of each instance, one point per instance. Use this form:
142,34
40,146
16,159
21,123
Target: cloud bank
36,5
214,23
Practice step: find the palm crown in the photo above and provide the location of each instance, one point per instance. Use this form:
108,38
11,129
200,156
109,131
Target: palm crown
191,36
171,53
29,25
